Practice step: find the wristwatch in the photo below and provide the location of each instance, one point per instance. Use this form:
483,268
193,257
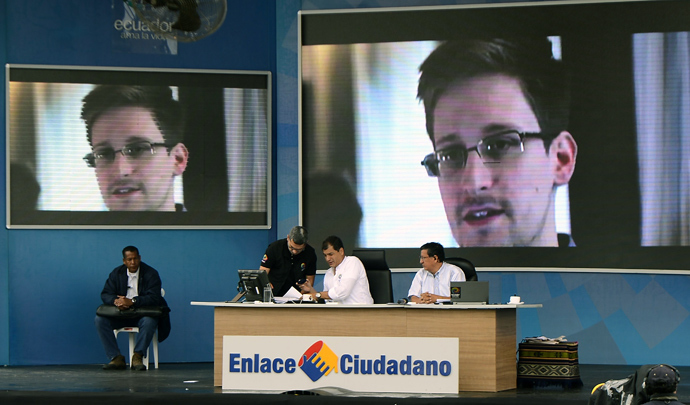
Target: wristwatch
318,295
134,300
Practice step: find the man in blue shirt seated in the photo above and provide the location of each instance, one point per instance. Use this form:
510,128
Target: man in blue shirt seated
432,282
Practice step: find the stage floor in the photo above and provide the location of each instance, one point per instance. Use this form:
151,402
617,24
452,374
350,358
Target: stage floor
193,382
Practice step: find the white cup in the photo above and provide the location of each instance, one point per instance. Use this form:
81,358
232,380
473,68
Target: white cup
515,299
307,297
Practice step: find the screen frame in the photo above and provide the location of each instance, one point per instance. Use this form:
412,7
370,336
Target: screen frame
345,26
181,78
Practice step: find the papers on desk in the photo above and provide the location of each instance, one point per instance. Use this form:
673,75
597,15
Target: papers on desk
283,300
291,295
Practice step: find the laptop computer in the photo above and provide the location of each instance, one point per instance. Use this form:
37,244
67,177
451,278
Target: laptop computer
469,292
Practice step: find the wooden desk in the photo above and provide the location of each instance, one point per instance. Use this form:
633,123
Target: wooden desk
486,333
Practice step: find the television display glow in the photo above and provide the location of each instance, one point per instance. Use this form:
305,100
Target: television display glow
622,202
95,147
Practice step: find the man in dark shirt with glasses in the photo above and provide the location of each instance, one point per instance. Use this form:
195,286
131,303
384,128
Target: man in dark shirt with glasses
497,116
135,133
290,260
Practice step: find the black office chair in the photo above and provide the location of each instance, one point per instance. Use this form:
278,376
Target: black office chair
466,266
378,273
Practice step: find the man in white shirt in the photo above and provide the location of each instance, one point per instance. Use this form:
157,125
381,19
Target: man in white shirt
345,281
432,282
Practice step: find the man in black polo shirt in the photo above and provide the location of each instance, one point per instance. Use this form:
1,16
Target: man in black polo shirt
288,260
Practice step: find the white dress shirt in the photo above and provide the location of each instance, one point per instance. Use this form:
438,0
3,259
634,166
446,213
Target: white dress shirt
348,283
132,284
438,283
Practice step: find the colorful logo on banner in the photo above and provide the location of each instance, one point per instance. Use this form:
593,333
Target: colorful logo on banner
318,361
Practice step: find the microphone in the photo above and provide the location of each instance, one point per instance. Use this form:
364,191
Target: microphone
403,301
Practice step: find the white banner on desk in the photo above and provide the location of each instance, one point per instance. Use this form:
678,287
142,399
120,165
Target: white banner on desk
362,364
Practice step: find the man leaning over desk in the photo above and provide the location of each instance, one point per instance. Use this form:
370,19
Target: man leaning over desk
288,260
432,281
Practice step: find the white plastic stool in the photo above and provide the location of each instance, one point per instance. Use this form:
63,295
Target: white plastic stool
132,330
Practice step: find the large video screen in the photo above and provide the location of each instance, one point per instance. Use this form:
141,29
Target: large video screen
525,135
94,147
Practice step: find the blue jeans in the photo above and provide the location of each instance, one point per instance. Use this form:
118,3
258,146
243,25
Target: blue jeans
105,326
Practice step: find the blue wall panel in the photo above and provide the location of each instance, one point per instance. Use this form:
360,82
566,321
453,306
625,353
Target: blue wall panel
286,164
616,318
56,281
73,32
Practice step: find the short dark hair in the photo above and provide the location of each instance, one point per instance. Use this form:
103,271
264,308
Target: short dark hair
434,249
544,80
661,379
332,241
129,249
166,111
299,235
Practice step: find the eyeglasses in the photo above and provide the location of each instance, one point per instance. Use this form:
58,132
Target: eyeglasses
492,149
295,250
138,150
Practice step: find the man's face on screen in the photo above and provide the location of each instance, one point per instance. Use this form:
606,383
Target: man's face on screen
142,180
489,203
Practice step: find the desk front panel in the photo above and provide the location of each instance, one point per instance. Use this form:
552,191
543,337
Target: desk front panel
297,321
487,343
486,336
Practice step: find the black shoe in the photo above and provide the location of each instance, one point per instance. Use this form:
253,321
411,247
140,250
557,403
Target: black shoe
137,362
117,363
